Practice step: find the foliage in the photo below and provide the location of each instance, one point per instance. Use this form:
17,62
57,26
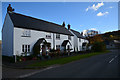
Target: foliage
24,58
54,53
115,35
36,50
96,38
98,47
8,59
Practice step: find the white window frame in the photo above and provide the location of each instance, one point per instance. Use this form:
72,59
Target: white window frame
57,36
69,37
57,46
79,39
25,48
26,33
48,35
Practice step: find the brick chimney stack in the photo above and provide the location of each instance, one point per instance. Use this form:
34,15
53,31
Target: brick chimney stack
10,9
68,26
63,24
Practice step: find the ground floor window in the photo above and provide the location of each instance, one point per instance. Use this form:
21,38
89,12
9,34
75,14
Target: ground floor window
80,47
25,48
57,46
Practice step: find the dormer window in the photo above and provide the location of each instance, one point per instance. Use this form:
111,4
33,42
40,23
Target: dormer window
79,40
69,37
26,33
48,35
57,36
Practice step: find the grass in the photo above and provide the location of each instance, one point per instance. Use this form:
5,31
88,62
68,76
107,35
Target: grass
65,59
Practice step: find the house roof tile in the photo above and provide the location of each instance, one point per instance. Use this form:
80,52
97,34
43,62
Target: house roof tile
27,22
77,33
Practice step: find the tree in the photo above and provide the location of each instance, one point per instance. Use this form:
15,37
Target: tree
96,38
99,47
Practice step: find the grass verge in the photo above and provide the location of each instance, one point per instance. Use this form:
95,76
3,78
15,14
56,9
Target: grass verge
65,59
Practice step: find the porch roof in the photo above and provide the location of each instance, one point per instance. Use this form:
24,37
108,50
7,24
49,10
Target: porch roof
65,42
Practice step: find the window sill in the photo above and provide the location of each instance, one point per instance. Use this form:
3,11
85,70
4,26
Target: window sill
48,38
57,39
25,36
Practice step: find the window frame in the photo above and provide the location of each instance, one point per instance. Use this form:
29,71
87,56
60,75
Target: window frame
48,35
25,48
26,33
79,39
69,37
58,36
57,47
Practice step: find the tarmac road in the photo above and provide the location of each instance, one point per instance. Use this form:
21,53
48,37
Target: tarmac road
99,66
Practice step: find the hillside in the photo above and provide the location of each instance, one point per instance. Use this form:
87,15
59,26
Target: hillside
112,35
0,41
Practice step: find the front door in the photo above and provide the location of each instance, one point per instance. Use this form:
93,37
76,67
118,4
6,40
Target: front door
68,48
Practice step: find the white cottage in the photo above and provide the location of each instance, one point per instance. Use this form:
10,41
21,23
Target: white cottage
21,33
80,42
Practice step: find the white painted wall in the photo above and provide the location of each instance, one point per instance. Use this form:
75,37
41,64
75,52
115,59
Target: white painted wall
77,43
62,38
80,44
7,36
35,35
84,40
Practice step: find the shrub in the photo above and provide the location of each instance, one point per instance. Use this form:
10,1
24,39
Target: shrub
10,59
98,47
36,50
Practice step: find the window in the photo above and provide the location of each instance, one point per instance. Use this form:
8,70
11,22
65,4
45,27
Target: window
69,37
28,48
26,33
80,48
48,35
22,48
57,36
57,46
79,40
25,48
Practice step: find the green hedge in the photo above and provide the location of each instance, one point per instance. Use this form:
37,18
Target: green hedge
98,47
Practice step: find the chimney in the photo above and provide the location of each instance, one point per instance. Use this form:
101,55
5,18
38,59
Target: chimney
10,9
63,24
68,26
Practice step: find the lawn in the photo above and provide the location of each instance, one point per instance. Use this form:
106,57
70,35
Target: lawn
64,60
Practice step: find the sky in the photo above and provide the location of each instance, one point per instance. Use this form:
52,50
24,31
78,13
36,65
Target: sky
100,16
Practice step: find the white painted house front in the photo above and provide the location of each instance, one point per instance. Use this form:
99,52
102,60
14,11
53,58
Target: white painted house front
20,33
80,42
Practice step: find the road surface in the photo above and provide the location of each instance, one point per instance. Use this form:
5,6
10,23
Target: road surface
99,66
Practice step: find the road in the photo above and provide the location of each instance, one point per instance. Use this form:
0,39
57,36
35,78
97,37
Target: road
99,66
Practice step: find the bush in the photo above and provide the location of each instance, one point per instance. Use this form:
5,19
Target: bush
36,50
98,47
10,59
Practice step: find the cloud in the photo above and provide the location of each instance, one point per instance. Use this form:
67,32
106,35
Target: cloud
102,14
93,29
81,25
110,7
95,7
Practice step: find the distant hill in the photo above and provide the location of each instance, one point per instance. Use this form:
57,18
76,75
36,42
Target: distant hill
108,36
112,35
0,41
